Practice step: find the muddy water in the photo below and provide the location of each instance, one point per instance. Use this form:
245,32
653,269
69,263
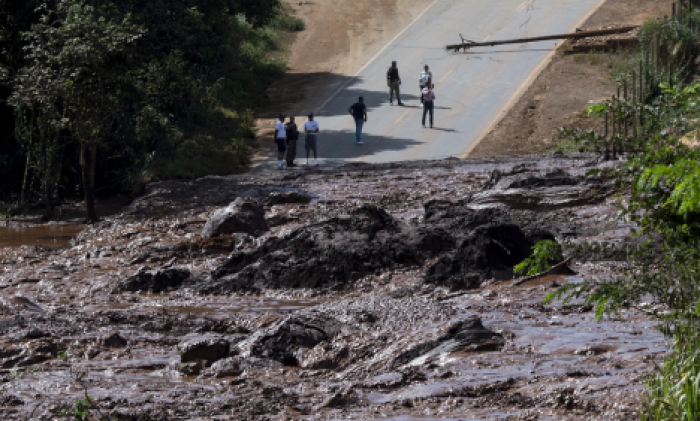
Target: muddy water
40,235
201,307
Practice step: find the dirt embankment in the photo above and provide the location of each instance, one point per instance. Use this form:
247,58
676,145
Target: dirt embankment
562,91
354,291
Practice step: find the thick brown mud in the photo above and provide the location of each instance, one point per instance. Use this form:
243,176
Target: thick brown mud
388,296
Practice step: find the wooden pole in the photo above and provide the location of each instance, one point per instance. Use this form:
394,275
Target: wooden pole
575,35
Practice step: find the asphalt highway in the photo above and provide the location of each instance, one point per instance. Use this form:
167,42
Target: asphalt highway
473,89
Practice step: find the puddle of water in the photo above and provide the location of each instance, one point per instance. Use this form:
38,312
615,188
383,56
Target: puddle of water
40,235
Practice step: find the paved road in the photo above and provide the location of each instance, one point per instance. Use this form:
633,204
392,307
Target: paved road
472,89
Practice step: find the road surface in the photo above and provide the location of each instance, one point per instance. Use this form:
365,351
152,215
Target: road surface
473,89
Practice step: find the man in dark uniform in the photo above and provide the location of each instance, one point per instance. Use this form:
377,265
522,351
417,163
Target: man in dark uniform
394,82
292,137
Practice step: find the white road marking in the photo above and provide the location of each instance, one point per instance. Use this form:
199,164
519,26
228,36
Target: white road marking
445,77
402,117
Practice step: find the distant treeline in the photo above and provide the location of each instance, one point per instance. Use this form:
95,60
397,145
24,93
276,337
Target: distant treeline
98,97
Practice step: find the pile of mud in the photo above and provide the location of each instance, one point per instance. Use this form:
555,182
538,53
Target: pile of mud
354,292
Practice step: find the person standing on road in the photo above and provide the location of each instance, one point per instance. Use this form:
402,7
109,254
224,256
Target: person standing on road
394,82
311,128
292,137
428,103
426,77
359,113
280,138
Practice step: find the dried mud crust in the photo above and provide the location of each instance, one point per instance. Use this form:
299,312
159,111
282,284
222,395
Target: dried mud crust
563,90
405,316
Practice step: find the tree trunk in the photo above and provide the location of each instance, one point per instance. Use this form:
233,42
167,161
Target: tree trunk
23,193
46,170
88,155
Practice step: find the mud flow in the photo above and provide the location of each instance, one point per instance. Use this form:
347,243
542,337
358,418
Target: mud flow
42,235
363,292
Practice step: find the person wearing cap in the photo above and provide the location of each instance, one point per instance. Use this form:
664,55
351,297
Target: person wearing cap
280,138
311,128
358,111
292,137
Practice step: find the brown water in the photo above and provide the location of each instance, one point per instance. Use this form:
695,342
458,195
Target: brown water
40,235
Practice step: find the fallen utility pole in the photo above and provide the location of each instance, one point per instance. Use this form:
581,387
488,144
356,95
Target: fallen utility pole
466,44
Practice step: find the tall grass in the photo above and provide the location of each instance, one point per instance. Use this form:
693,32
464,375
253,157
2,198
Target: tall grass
673,392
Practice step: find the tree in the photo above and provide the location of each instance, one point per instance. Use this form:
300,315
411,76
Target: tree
77,60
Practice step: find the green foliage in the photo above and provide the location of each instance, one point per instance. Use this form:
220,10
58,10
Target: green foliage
543,253
673,392
663,177
605,297
138,82
80,409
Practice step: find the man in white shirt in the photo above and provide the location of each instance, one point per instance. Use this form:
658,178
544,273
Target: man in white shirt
311,128
280,137
426,77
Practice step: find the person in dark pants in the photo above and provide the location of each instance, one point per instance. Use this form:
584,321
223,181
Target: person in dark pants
426,77
359,113
292,138
428,103
394,82
280,137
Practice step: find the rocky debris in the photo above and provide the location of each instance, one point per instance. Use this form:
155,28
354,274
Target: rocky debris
241,216
155,281
289,197
345,397
227,367
115,340
199,353
592,350
287,341
469,335
19,304
332,252
35,333
10,400
29,353
541,191
490,251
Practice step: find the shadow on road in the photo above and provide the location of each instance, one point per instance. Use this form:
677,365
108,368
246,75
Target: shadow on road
301,93
338,147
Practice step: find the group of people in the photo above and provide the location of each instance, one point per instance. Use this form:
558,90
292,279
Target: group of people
425,82
287,134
